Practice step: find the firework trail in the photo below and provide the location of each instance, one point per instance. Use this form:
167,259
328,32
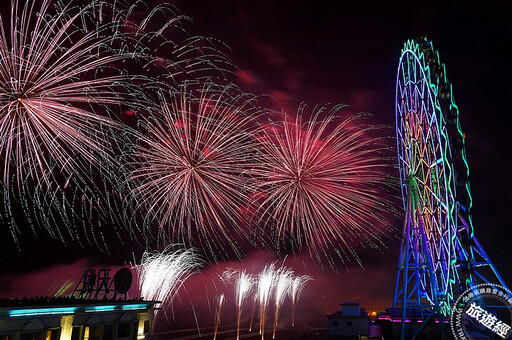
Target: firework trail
220,304
161,275
243,284
266,282
253,309
296,286
158,33
282,283
191,166
320,182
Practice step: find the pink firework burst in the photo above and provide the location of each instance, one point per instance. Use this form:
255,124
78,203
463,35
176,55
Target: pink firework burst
191,166
56,86
59,85
321,182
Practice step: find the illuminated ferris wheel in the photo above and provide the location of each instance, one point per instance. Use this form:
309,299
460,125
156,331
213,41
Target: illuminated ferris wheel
440,257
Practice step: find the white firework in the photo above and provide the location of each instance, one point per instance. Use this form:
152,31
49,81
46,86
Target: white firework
161,275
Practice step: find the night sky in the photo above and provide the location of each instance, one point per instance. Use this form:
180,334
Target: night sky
346,52
341,52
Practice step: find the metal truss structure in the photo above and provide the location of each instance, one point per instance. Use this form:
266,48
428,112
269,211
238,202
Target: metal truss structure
440,256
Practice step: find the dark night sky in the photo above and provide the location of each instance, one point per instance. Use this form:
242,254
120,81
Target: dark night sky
338,51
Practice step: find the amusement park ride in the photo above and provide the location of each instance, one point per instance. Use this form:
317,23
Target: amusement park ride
440,256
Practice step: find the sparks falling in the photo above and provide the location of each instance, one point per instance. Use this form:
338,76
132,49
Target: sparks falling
283,280
161,275
266,281
320,182
243,284
60,88
297,284
191,166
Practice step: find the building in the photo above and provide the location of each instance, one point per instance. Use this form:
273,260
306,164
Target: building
71,318
414,325
351,321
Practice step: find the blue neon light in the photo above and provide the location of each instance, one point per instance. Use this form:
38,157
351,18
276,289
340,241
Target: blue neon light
132,307
71,310
101,308
42,311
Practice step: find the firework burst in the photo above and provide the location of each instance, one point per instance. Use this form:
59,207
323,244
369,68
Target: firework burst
54,78
58,90
296,286
157,33
243,284
266,282
283,280
161,275
320,180
191,166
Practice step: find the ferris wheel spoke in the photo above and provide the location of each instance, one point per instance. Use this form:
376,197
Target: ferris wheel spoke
438,161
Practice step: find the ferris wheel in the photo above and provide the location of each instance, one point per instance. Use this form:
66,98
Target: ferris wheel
440,256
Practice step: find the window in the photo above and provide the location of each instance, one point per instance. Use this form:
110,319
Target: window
147,325
75,334
53,334
108,331
349,323
123,330
94,332
135,329
8,336
31,336
335,323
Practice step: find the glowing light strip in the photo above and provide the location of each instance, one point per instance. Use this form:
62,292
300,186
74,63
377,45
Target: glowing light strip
132,307
436,162
71,310
41,311
101,308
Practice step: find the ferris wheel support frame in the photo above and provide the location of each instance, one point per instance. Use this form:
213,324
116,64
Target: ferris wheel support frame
461,264
413,269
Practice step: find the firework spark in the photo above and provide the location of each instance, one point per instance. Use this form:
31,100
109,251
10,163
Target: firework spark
266,281
58,90
220,304
296,286
243,284
320,182
271,284
161,275
282,281
254,302
158,33
192,165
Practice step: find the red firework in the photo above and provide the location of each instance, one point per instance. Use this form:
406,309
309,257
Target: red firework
320,182
191,166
